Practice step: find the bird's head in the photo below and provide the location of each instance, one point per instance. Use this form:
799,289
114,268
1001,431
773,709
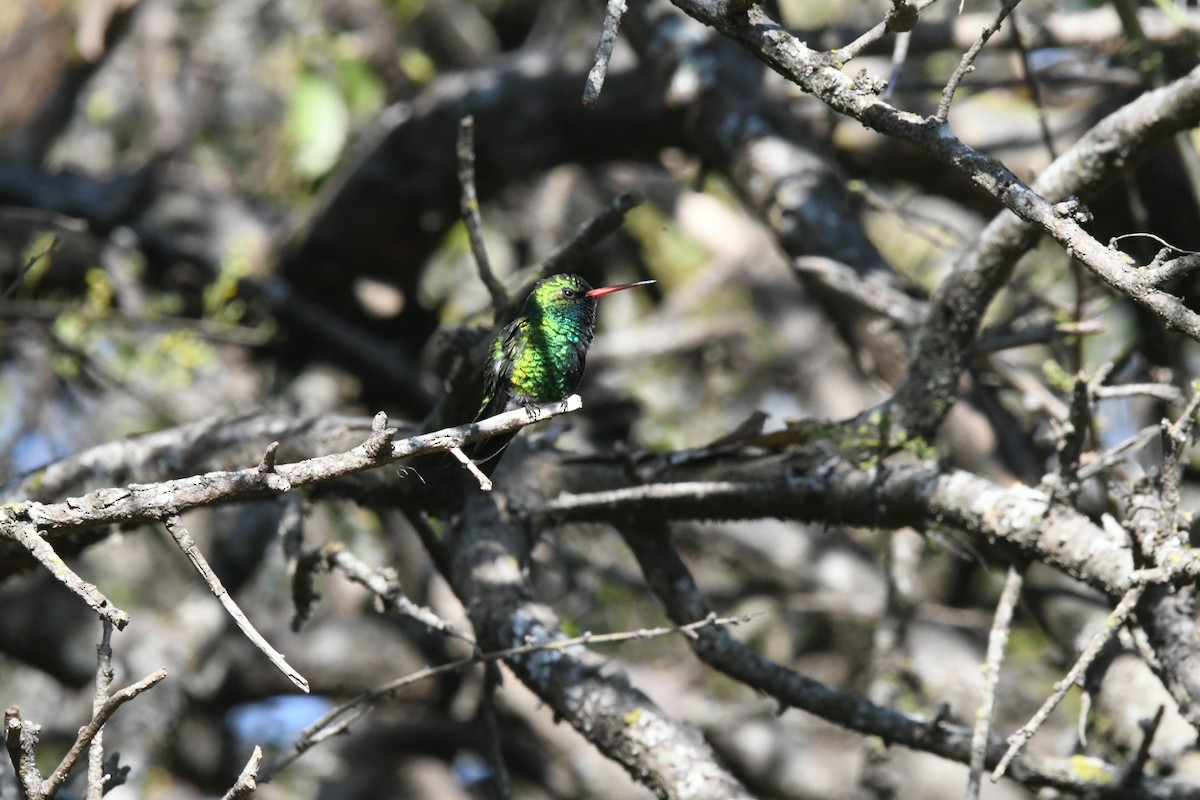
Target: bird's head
567,294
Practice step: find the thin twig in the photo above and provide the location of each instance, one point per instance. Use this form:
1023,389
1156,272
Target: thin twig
1146,235
495,752
471,216
332,724
878,778
1169,270
968,61
27,535
1149,727
1180,430
1119,452
247,781
997,642
1112,625
1034,87
843,55
898,18
182,538
613,11
485,483
592,232
887,301
1160,391
994,342
899,59
87,733
386,586
586,236
29,264
1154,76
104,679
1075,434
1177,438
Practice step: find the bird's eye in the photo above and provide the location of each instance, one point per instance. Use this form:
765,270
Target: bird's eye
568,294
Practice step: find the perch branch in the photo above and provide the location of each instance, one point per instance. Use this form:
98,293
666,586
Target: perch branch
157,501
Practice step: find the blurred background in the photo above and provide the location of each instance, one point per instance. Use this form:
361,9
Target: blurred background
211,211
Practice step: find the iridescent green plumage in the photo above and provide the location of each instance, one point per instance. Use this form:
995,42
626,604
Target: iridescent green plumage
539,356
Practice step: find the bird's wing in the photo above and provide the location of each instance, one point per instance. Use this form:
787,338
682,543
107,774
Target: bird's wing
497,373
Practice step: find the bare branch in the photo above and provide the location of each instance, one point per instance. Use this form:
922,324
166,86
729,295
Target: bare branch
833,490
1111,626
185,542
30,263
587,236
1172,108
901,18
1118,452
948,335
675,588
156,501
485,483
27,535
385,585
992,342
104,678
471,216
879,778
1160,391
968,60
336,721
21,739
879,297
613,10
247,781
997,642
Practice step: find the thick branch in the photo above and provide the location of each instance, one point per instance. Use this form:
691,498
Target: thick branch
836,491
667,756
813,72
948,337
675,588
148,502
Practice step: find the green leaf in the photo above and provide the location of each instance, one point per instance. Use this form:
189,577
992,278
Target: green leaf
318,123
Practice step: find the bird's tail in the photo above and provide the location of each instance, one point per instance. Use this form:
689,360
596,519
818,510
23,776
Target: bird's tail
486,454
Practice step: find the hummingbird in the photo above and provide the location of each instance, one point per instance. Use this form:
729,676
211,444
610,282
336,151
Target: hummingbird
539,356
